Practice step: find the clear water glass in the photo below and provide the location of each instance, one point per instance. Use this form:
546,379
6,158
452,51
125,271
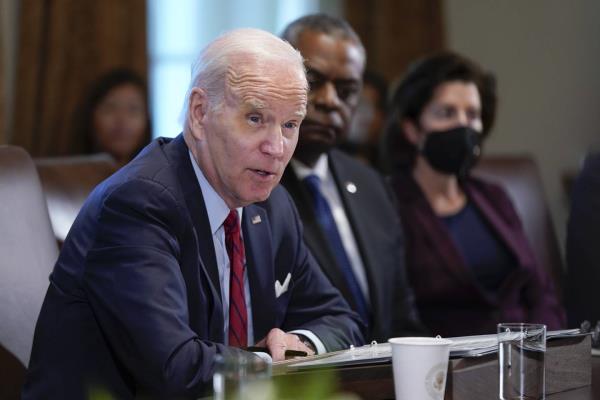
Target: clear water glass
521,350
239,376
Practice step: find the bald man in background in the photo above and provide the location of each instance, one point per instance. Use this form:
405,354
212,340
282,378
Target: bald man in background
351,223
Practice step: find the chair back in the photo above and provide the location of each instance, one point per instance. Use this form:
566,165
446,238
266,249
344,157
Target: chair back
520,177
67,181
28,252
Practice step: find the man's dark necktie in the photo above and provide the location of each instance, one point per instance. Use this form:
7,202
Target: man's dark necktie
238,317
327,223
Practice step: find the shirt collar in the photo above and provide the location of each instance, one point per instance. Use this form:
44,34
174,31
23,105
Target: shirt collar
216,208
320,168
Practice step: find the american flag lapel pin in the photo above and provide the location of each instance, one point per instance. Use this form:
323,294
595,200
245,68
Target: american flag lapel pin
256,220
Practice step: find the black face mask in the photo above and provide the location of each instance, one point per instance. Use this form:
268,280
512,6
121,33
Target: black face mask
454,151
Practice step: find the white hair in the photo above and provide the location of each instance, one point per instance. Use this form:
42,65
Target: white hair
233,49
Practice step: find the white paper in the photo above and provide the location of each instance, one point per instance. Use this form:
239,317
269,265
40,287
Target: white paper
463,346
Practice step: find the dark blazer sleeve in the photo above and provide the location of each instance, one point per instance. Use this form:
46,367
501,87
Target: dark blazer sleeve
314,303
583,251
138,295
540,292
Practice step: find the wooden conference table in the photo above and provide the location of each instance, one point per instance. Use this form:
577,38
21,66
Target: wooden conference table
571,374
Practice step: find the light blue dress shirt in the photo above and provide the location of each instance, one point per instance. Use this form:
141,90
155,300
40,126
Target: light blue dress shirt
217,211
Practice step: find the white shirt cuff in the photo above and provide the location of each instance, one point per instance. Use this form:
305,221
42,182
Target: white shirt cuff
319,346
264,356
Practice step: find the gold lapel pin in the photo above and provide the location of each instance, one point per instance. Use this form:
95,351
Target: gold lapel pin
351,187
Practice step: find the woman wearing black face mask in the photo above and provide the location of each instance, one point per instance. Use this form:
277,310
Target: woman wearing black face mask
467,255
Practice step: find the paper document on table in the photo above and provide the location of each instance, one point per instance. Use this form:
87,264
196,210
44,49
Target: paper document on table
464,346
475,346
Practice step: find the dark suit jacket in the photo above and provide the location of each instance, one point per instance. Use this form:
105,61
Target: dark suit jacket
378,233
134,304
583,251
450,301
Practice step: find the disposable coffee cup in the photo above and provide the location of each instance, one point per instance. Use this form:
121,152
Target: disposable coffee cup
420,367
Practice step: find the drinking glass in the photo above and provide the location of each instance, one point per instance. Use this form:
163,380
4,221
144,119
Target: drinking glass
521,349
239,375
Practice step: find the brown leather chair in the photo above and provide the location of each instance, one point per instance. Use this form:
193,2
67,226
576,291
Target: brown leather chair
67,181
28,252
520,177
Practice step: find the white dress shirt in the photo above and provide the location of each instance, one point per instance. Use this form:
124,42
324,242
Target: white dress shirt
330,192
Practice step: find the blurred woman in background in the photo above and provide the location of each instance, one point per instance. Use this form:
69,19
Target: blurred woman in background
468,259
114,118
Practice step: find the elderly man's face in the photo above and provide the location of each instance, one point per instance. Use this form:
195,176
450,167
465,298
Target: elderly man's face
252,135
334,71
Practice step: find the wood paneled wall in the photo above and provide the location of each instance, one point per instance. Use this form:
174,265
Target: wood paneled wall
396,32
64,45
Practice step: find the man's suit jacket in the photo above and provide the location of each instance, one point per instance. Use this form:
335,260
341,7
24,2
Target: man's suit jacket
377,229
583,251
134,304
450,301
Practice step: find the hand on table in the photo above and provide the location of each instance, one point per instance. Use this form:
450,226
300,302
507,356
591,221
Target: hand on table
277,341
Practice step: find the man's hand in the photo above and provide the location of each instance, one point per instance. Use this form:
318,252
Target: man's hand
277,341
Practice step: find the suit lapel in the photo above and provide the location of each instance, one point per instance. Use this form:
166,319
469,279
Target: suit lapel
350,202
496,223
314,237
259,264
195,204
424,221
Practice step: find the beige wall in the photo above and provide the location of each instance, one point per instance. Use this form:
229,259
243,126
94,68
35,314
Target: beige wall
8,36
546,54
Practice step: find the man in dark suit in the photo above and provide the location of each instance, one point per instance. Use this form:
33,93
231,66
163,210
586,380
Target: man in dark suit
351,224
583,253
158,275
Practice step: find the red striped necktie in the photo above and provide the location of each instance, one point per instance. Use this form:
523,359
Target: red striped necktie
238,318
